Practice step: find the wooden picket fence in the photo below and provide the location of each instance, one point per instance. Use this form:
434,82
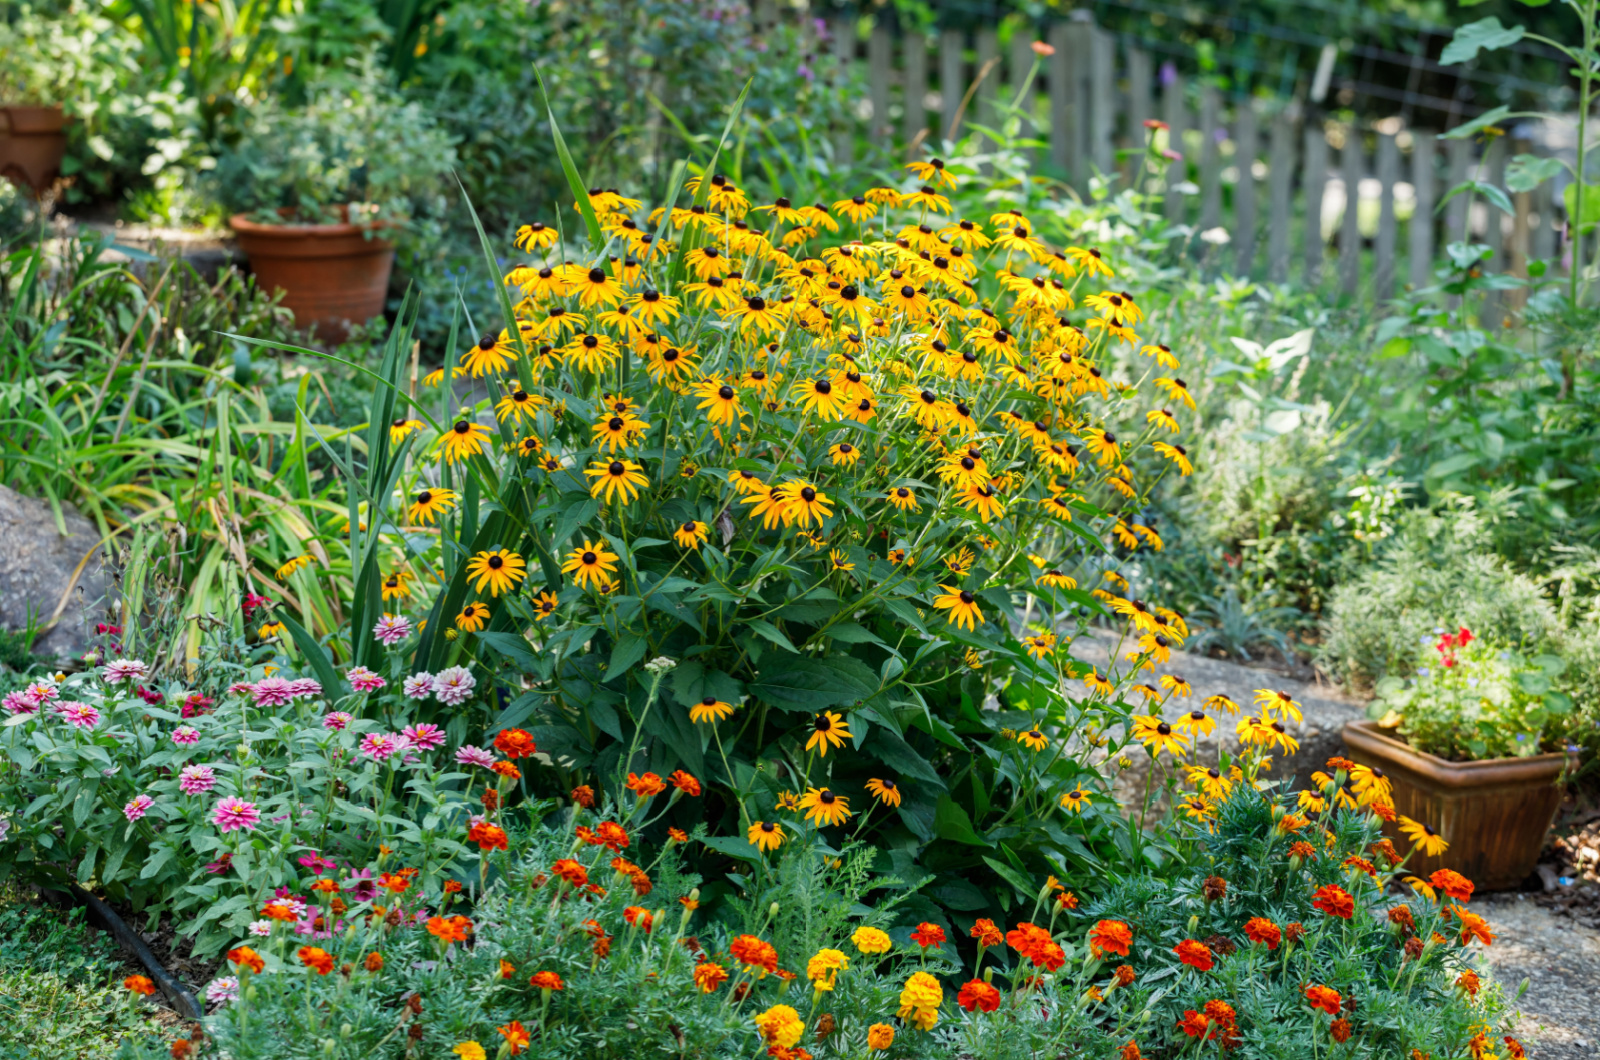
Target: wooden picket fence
1273,180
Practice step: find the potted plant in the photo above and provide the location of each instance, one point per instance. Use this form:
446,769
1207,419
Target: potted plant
1468,743
319,193
39,66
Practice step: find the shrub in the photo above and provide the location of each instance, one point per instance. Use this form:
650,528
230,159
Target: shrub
1437,572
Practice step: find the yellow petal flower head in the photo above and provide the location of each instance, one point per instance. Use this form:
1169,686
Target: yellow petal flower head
463,441
828,730
472,617
766,835
870,941
824,807
590,565
710,709
614,479
499,571
962,605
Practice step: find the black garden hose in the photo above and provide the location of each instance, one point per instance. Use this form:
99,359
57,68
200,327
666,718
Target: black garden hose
181,997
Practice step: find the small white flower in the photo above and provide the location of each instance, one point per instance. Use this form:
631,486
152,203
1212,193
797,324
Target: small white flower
262,928
1217,237
660,664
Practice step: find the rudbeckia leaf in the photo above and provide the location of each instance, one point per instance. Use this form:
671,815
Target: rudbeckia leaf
951,822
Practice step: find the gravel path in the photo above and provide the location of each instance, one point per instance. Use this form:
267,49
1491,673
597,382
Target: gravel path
1561,962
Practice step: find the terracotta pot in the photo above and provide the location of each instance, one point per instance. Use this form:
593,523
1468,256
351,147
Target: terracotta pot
1493,813
33,141
331,276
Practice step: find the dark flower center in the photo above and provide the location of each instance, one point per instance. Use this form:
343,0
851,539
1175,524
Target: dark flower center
597,276
966,597
495,563
590,559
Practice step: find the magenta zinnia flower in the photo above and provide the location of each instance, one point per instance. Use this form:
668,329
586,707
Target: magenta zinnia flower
364,680
185,736
79,715
425,737
317,863
418,686
137,806
197,780
392,629
272,692
379,745
304,687
42,692
232,815
454,686
20,703
337,721
469,755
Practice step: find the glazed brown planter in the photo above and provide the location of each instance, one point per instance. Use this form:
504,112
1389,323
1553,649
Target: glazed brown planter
1494,813
33,140
331,276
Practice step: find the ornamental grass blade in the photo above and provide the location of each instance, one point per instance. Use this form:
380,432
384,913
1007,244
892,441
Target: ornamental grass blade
580,190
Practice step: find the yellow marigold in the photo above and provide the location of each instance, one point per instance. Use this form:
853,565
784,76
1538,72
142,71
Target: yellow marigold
920,1001
823,969
871,940
880,1036
780,1025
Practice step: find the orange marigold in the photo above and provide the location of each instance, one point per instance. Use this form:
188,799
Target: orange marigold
315,958
684,782
977,994
508,770
639,917
1339,1030
515,1035
928,935
450,929
1325,998
646,786
986,933
140,984
373,963
515,743
1260,929
1110,936
547,981
571,871
583,795
709,976
1335,901
248,958
1195,954
613,836
747,949
1453,884
488,836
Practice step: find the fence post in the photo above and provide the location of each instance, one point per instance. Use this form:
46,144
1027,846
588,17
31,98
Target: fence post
1316,181
1022,57
1455,218
1172,105
1384,247
1139,111
880,63
1542,240
1351,168
1210,169
1423,159
1065,99
1244,189
1495,234
989,89
1280,181
843,31
952,82
1102,97
914,92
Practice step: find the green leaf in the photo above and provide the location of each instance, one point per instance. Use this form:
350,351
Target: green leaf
315,654
1025,887
951,822
1590,206
1486,34
692,682
575,182
797,682
1452,465
514,648
1478,124
153,863
733,846
628,651
1526,172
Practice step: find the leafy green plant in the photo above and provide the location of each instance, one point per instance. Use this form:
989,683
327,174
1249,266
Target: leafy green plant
1229,624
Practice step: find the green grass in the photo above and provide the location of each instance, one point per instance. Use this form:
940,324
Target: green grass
61,992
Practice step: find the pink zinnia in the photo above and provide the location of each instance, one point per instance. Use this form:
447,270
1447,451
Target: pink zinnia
42,692
425,737
124,670
184,736
317,863
392,629
232,814
418,686
364,680
80,715
197,780
379,745
19,703
302,687
337,721
272,692
137,806
454,686
241,687
469,755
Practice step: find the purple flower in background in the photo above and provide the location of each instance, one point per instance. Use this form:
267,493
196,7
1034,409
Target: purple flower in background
454,686
185,736
424,737
197,780
232,815
418,686
79,715
392,629
364,680
137,806
469,755
303,687
221,865
124,670
318,864
361,886
1168,75
19,703
379,746
337,721
272,692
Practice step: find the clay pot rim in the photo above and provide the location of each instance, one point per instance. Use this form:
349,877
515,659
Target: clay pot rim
1371,738
242,224
41,119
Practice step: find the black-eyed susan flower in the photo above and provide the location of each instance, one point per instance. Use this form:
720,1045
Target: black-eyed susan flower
720,401
530,447
1057,507
927,197
839,561
757,315
304,560
1137,612
1040,644
1177,389
1095,682
535,236
1054,579
817,397
1163,419
804,504
463,441
904,498
497,571
590,353
1075,800
1196,723
544,605
1089,261
590,565
886,791
595,287
824,807
1103,444
472,617
982,500
550,464
843,454
1281,703
1158,737
765,835
396,586
1212,782
1177,685
1033,739
962,605
1425,839
617,478
1177,454
827,730
517,406
710,709
615,432
857,209
403,428
492,354
1220,702
691,534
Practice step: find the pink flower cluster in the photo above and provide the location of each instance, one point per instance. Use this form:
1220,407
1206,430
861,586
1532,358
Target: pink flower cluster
392,629
78,715
364,680
122,670
232,815
277,692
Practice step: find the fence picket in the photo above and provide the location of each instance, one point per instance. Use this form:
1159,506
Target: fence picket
1384,246
1494,169
952,81
1210,160
1455,218
1245,148
880,64
1316,187
914,92
1280,182
1352,167
1063,99
1101,78
1021,62
842,34
1424,159
1139,110
989,90
1173,113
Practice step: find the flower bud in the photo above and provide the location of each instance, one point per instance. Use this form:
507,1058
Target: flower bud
1194,925
346,1030
772,910
694,895
329,1046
